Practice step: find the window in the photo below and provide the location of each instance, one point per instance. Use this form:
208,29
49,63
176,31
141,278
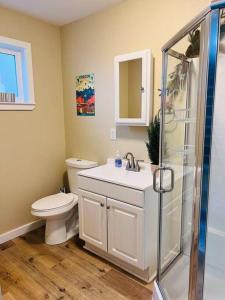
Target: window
16,75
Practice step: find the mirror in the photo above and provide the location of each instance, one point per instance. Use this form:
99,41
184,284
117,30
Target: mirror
130,73
133,76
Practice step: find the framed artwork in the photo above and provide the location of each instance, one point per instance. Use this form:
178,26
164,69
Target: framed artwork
85,95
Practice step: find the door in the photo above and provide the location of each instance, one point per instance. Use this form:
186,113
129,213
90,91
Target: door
175,179
92,219
125,232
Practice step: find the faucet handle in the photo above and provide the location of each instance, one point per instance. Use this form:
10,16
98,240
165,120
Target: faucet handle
137,166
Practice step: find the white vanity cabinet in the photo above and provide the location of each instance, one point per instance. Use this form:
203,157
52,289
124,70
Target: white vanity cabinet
118,222
105,221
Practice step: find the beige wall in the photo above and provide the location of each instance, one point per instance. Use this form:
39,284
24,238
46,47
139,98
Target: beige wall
32,148
89,45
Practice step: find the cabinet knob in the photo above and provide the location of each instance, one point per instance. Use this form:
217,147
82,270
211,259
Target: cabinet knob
108,207
102,204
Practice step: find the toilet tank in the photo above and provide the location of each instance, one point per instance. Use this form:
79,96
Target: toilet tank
74,165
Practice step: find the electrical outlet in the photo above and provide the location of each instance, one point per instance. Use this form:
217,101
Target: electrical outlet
113,134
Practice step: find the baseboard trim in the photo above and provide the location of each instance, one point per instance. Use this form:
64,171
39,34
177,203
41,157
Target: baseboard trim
12,234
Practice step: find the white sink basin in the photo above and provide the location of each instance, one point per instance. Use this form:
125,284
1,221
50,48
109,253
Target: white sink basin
109,173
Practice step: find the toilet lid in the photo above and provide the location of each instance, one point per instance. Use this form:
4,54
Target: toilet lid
52,202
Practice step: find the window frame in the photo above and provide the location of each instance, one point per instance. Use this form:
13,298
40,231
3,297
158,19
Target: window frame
24,70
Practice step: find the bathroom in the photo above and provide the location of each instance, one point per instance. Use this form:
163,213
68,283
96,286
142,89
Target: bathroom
68,40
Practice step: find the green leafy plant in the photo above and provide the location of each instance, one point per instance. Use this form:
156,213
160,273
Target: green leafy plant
153,140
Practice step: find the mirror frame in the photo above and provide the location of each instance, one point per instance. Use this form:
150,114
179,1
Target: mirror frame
147,85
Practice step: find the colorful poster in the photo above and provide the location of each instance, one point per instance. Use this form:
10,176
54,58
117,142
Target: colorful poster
85,95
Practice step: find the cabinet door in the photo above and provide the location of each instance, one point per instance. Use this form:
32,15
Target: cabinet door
126,232
92,219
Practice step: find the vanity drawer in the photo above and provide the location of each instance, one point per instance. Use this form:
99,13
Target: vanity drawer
118,192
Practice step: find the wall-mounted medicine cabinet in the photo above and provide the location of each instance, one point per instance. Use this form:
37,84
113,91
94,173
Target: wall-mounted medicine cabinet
133,88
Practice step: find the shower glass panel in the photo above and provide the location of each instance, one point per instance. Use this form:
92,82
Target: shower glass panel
191,264
214,284
178,144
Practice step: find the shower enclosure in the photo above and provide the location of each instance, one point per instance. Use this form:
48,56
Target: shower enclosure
191,177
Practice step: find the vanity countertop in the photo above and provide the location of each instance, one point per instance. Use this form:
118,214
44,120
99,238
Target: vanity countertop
136,180
109,173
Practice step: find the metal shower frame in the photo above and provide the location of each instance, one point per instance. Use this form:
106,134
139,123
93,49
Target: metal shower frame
209,20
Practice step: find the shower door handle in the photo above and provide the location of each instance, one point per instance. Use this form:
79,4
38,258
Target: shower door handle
160,189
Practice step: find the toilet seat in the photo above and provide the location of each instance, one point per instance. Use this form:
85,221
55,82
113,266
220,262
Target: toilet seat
57,201
46,211
54,205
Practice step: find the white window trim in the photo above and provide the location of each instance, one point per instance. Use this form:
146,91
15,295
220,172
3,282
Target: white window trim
18,49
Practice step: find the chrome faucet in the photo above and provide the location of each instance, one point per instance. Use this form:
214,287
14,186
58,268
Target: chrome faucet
131,164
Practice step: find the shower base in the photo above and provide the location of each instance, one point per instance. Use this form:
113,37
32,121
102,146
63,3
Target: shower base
176,282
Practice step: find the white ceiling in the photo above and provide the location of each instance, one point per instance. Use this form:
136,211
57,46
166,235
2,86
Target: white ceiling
58,12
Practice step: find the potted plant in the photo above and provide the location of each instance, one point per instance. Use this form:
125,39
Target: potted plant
153,142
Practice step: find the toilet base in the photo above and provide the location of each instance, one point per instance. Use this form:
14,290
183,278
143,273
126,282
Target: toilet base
55,233
61,229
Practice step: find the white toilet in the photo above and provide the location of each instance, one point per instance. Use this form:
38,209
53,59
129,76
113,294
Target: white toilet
60,210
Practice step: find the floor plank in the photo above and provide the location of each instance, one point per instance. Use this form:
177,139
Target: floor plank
124,286
30,269
9,296
6,245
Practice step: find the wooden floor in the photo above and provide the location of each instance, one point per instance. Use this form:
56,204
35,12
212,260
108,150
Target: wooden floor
30,269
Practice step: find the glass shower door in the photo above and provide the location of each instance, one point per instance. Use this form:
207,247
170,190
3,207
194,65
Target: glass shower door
177,169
